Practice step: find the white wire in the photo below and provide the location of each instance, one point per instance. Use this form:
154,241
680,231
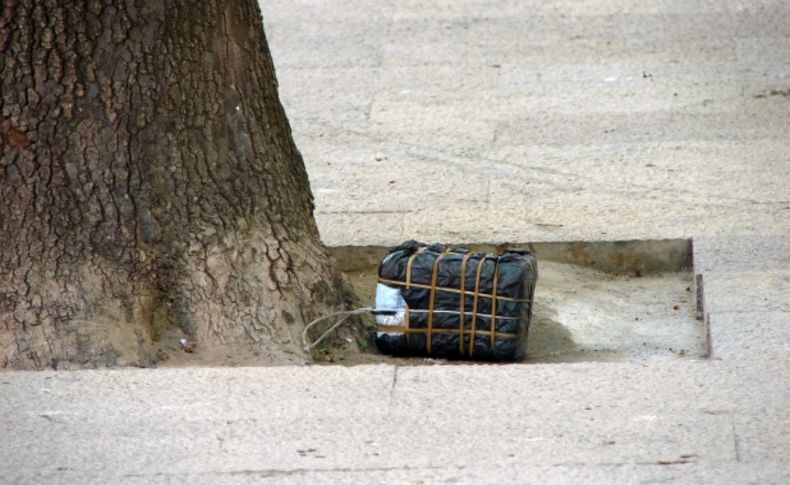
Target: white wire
347,313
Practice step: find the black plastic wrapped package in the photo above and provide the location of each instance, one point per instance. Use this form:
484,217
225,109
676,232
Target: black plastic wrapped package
453,303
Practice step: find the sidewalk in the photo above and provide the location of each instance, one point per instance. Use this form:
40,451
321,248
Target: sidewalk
488,121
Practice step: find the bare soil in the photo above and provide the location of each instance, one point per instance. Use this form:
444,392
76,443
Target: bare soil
581,314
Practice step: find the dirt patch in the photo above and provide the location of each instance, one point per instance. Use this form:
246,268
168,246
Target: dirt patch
583,314
774,92
624,301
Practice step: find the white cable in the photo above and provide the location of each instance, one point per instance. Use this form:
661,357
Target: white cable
347,313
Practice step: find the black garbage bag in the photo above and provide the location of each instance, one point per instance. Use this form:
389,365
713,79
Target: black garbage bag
453,303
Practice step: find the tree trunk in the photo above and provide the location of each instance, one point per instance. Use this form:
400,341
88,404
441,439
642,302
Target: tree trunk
150,187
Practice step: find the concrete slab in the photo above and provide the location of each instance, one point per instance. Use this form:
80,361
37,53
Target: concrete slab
319,43
345,93
754,252
179,393
682,472
761,437
747,292
570,8
766,472
374,418
757,336
654,388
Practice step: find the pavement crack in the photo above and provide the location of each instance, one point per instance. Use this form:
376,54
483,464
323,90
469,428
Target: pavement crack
392,387
275,472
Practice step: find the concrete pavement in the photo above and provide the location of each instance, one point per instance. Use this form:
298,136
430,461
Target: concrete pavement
486,121
478,121
696,421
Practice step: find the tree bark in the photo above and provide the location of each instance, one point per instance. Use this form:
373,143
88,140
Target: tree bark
149,186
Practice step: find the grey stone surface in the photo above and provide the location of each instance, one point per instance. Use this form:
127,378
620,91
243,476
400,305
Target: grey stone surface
295,421
756,336
753,252
691,473
747,291
601,120
485,121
